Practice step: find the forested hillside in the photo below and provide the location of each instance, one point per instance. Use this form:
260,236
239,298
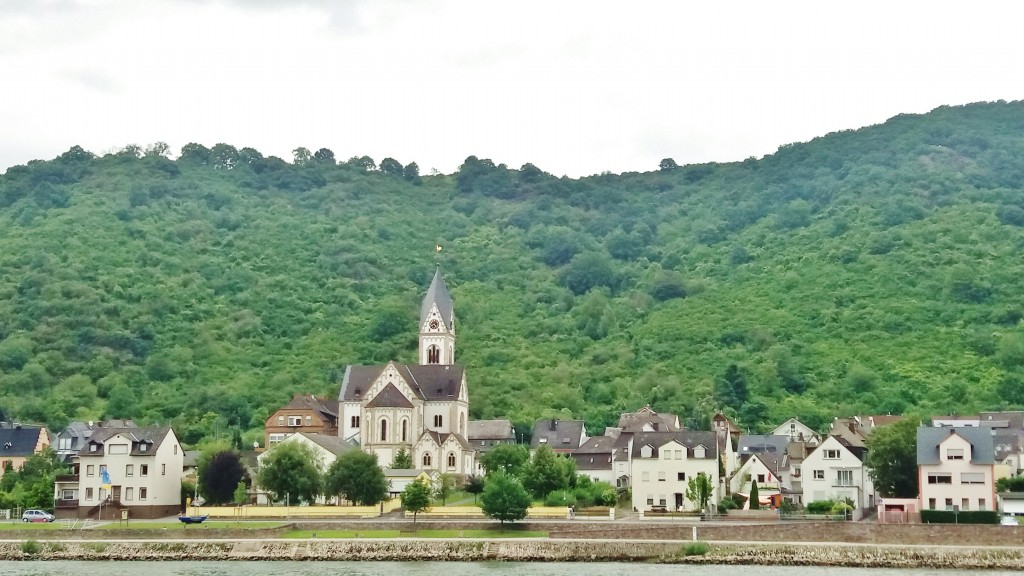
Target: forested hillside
876,270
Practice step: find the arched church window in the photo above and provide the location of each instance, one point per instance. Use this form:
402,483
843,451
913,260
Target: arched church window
405,430
462,423
433,355
426,459
383,430
451,459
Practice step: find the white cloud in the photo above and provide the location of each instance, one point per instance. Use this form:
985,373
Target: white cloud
574,87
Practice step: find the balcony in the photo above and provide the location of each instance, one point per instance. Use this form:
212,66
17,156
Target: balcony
67,478
66,504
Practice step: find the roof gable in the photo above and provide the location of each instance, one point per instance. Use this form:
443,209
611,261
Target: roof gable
389,397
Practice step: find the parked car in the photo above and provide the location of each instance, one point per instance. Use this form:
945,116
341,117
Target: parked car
1008,520
37,516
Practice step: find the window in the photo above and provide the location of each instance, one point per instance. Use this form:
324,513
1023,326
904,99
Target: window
90,470
383,431
129,470
955,454
981,504
661,476
143,469
650,501
67,494
661,501
965,504
451,459
163,469
426,459
760,478
940,478
88,493
831,454
438,420
275,438
819,474
699,452
645,477
354,421
844,477
129,493
280,420
103,470
931,503
175,448
295,420
972,477
93,447
405,431
949,503
117,449
144,447
309,420
433,355
142,493
681,476
64,444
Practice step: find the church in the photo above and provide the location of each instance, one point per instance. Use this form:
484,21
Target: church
423,408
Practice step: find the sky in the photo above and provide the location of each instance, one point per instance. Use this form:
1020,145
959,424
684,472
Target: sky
574,87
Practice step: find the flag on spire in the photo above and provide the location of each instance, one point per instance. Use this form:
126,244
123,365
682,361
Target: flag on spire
437,248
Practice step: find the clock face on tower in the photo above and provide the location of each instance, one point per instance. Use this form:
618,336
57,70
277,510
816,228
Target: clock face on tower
433,324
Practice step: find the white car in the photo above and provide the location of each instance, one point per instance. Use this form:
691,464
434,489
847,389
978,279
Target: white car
37,516
1008,521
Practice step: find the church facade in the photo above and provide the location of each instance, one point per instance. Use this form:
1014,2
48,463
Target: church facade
422,408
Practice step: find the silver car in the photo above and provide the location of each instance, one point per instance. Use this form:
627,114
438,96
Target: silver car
37,516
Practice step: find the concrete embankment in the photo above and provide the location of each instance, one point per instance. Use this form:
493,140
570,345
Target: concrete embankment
518,551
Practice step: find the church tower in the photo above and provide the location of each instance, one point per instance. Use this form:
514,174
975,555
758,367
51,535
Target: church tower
437,324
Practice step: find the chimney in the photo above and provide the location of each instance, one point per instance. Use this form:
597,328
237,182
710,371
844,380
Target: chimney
554,425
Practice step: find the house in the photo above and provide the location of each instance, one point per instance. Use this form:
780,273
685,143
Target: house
769,470
70,440
563,436
595,458
647,420
304,413
796,431
486,434
663,464
835,470
399,479
135,470
18,442
421,408
720,423
326,448
956,468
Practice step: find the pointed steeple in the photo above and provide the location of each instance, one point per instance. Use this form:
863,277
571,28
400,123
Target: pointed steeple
437,295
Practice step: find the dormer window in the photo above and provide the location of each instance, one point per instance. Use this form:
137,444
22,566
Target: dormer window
699,452
143,447
93,447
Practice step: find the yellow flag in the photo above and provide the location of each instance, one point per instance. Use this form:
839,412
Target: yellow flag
437,248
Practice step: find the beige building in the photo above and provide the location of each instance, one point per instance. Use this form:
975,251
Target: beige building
956,468
835,470
662,464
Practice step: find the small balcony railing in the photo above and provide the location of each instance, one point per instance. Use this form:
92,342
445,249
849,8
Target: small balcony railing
65,504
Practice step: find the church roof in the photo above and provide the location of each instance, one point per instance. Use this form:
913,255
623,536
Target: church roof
440,438
437,294
389,397
429,382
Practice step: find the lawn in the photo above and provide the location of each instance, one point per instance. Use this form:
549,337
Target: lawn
208,525
19,525
512,533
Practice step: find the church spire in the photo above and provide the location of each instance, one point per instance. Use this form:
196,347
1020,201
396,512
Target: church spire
437,295
437,324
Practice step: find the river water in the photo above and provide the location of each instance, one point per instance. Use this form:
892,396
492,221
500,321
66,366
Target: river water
289,568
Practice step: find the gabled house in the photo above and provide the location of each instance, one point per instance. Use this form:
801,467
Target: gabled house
769,470
304,413
956,468
398,479
663,464
70,440
486,434
647,420
562,436
595,458
137,470
326,448
18,442
835,470
796,431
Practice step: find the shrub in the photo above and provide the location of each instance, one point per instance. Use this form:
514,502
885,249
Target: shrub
821,506
965,517
560,498
696,549
726,504
31,547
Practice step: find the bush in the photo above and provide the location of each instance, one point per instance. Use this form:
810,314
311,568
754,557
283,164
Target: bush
560,498
696,549
31,547
726,504
821,506
965,517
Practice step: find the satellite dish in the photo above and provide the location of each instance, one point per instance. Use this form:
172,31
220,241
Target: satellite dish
255,444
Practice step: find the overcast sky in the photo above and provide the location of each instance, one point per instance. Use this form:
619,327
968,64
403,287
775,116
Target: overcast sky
576,88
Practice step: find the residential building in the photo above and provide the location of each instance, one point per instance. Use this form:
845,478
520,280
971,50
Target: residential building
398,479
304,413
956,468
769,470
562,436
486,434
647,420
594,458
422,408
72,438
835,470
796,431
137,470
663,464
18,442
326,449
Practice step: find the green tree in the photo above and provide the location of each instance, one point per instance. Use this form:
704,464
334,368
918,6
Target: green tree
504,499
589,270
402,460
219,475
731,389
474,485
391,167
411,173
291,471
892,458
755,500
241,494
547,472
444,487
698,491
667,164
505,458
356,477
416,498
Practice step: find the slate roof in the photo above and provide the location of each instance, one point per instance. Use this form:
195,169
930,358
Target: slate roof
153,435
19,441
1006,443
773,461
429,382
323,405
333,444
689,438
441,437
490,430
755,443
929,438
438,294
558,434
597,445
1013,420
636,421
389,397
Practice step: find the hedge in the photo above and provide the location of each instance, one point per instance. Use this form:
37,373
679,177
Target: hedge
965,517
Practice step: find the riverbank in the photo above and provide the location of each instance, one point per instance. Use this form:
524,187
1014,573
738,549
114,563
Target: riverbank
520,551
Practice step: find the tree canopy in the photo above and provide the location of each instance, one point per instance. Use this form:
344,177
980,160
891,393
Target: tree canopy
892,458
504,498
291,471
356,477
416,498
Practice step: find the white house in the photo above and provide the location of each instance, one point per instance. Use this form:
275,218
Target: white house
664,462
769,470
796,431
326,448
131,469
834,471
956,468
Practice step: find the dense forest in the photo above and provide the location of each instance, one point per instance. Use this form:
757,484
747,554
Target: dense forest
869,271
